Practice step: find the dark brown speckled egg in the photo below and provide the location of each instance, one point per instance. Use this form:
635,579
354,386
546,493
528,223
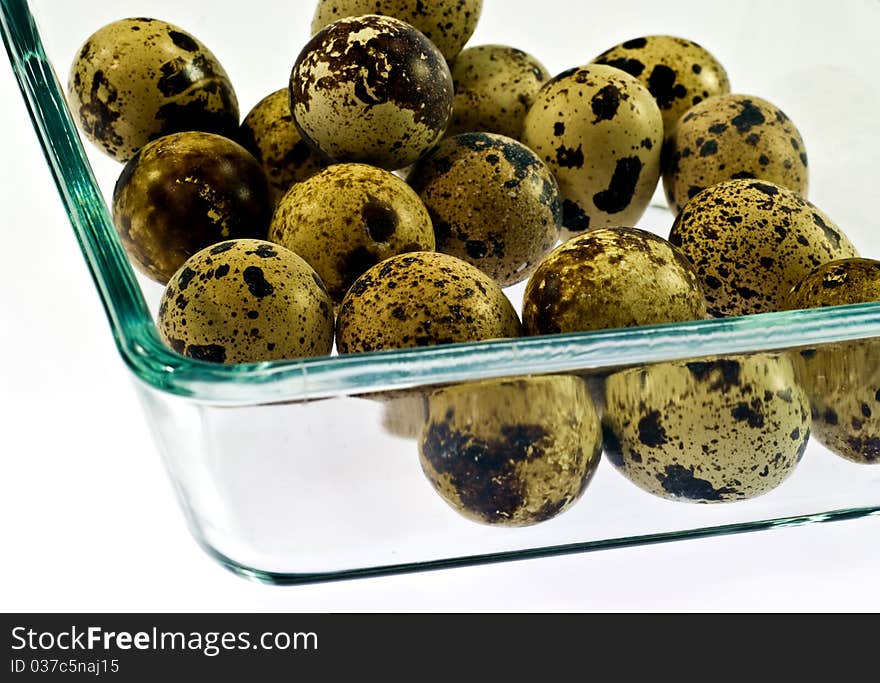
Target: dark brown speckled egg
710,431
842,380
423,299
184,192
601,133
371,89
493,203
136,80
751,241
246,301
609,279
347,219
732,137
449,24
512,452
495,85
679,73
269,134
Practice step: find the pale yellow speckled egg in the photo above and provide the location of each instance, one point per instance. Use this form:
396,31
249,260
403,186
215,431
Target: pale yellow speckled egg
246,301
512,452
136,80
843,384
842,380
423,299
709,431
751,241
601,133
609,279
269,134
371,89
495,86
732,137
679,73
347,219
449,24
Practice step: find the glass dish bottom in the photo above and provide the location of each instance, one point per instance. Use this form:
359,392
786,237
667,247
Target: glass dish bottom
307,492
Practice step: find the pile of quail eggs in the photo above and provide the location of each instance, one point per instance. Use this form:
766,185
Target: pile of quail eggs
388,195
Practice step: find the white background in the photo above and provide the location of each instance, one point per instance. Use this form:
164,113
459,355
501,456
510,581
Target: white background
88,521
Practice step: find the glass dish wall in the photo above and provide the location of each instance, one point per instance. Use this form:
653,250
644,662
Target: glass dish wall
310,470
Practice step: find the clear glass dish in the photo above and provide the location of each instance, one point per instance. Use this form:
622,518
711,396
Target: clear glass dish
309,470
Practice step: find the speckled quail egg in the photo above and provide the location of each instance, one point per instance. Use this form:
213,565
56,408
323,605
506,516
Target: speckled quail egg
609,279
347,219
843,384
371,89
448,23
678,72
136,80
269,134
751,241
838,283
709,431
493,203
423,299
246,301
495,85
732,137
511,452
843,380
601,133
184,192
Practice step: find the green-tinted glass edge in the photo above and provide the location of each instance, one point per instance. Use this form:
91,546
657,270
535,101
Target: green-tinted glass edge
283,579
155,364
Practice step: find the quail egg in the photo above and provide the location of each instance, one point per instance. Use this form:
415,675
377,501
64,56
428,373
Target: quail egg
371,89
838,283
269,134
601,133
608,279
493,203
843,380
246,301
511,452
449,24
751,241
709,431
678,72
136,80
732,137
184,192
347,219
495,85
423,299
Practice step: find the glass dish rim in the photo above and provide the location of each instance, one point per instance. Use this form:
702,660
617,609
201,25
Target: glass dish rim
308,379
